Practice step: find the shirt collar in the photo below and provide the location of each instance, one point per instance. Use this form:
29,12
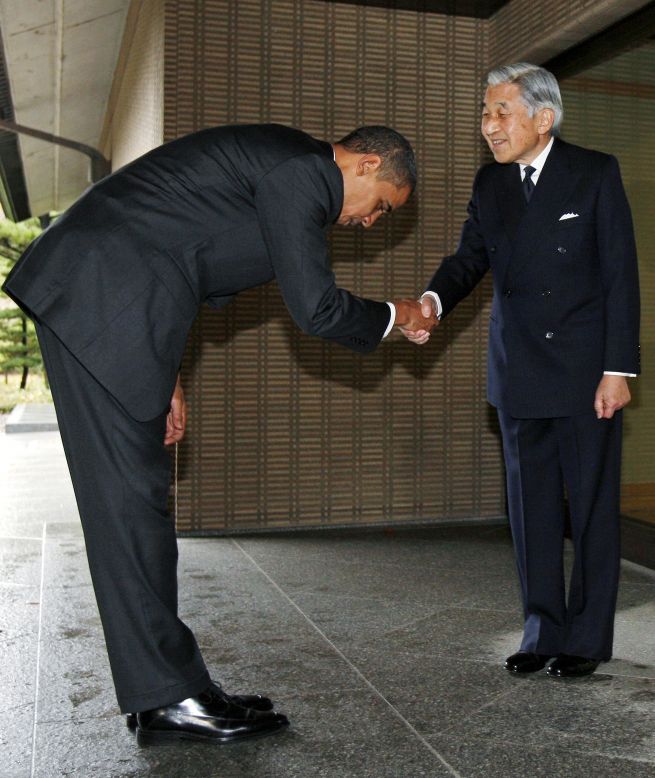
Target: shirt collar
538,162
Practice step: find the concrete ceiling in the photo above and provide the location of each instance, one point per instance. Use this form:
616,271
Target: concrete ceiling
61,56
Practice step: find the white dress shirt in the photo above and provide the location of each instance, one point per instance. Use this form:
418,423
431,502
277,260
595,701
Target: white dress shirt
537,163
392,320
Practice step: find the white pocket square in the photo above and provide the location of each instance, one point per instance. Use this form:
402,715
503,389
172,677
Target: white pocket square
568,216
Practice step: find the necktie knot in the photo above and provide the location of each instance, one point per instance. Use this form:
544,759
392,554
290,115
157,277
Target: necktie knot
528,183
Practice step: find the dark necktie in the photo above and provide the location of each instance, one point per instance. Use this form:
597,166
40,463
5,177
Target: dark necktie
528,185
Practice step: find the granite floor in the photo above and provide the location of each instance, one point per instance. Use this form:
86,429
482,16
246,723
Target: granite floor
383,648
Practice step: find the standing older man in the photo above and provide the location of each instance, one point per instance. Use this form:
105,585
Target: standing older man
553,223
114,286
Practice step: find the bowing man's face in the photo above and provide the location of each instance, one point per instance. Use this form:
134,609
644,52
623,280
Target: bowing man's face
512,134
365,197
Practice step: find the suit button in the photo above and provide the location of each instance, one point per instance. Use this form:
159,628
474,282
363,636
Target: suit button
507,292
546,293
561,249
492,249
550,335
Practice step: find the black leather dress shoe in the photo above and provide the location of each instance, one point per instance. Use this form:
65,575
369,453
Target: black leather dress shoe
254,701
211,716
566,666
526,662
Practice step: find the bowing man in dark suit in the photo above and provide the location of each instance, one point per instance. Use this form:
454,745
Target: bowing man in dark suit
552,222
114,286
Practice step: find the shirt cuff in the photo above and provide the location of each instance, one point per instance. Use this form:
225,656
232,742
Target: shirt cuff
392,320
437,302
627,375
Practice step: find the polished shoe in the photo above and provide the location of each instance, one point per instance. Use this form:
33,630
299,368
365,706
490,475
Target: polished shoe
210,716
526,662
566,666
254,701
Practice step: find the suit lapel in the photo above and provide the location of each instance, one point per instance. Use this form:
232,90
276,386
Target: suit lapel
554,187
510,199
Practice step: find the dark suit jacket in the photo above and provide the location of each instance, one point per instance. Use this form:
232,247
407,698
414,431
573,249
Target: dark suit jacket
566,291
120,276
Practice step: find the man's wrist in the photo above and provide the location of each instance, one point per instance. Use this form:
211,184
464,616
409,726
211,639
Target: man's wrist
434,298
392,319
402,313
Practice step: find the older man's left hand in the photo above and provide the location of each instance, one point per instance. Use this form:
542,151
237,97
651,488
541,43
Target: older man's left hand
612,395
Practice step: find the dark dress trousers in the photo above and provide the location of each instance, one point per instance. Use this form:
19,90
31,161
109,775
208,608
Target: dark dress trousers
565,310
114,286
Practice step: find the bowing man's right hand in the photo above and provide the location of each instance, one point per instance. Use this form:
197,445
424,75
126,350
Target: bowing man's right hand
176,419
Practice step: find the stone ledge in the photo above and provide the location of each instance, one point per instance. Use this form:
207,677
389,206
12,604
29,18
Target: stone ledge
33,417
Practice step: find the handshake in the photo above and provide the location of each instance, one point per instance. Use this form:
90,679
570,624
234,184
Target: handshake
416,319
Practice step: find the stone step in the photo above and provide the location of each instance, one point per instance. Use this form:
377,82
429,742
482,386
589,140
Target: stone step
32,417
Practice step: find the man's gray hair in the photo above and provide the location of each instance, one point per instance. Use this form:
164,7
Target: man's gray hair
539,88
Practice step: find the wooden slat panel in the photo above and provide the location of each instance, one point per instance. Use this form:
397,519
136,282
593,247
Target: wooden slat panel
285,430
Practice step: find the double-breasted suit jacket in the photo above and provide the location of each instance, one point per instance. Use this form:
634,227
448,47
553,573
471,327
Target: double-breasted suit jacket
120,276
566,292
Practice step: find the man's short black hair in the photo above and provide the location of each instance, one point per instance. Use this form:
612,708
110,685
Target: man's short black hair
398,160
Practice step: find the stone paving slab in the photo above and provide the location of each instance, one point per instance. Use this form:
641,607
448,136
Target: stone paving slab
385,651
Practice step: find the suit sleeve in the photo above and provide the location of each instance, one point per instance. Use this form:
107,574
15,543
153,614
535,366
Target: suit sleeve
461,272
293,203
618,272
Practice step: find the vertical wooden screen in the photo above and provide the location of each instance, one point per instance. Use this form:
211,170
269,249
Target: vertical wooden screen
288,431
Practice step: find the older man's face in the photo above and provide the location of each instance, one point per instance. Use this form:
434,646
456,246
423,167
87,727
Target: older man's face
366,198
512,134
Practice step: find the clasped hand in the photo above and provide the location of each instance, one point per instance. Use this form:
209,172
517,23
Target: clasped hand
416,319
